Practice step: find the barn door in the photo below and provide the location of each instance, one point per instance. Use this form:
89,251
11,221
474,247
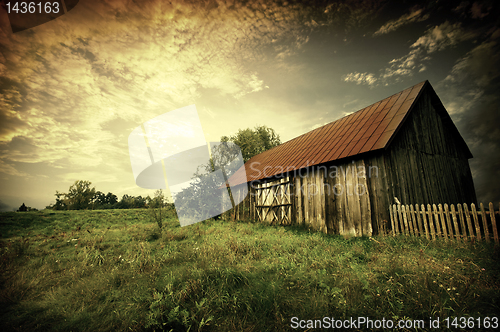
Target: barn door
273,202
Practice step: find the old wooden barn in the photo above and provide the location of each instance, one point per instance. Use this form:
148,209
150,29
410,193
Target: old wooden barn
342,177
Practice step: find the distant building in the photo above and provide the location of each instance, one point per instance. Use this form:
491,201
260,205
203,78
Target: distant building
341,178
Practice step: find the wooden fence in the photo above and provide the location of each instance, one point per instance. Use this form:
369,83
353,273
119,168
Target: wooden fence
458,223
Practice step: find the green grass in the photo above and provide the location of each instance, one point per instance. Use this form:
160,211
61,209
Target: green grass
112,270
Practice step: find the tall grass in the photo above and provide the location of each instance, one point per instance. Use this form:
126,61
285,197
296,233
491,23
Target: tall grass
113,270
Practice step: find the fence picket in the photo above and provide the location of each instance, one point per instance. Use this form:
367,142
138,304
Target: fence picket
414,220
422,212
436,220
407,219
476,222
462,222
396,219
443,223
431,221
485,223
469,223
448,221
455,223
419,220
403,211
400,217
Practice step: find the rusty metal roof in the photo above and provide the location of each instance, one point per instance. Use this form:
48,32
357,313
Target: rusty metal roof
368,129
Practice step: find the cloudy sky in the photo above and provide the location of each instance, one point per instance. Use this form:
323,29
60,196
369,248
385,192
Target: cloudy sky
73,89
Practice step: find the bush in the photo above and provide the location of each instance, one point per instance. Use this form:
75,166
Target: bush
158,207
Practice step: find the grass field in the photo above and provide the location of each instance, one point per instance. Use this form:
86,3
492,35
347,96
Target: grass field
113,270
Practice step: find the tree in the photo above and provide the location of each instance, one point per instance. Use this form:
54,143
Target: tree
254,141
156,208
111,199
80,196
202,199
126,202
99,199
139,202
61,202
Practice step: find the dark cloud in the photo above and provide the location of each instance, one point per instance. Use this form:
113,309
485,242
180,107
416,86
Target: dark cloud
481,128
471,91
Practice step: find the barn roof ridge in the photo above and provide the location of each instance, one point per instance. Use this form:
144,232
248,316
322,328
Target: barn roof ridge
368,129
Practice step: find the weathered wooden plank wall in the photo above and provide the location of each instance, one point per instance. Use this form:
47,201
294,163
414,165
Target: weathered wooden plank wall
309,198
426,162
347,199
333,199
378,188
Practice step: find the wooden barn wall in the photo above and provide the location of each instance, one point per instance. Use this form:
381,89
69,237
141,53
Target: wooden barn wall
347,197
332,199
426,163
378,188
309,199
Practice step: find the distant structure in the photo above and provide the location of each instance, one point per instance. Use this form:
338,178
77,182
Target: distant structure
23,208
341,178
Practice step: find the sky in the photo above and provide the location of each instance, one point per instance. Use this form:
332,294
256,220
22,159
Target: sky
73,89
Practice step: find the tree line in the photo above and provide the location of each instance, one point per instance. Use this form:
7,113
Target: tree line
81,196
